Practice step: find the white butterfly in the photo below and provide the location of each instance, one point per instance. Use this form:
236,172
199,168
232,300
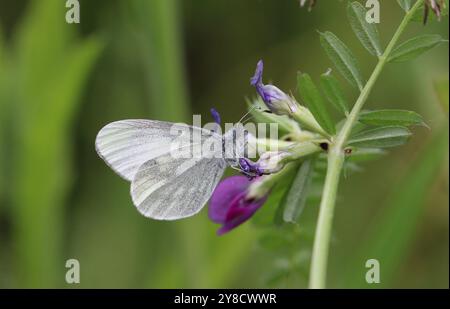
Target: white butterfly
172,175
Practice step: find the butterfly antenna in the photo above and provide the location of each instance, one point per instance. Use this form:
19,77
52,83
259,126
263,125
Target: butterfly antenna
248,119
249,111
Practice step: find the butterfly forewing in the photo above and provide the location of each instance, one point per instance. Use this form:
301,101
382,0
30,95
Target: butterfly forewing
127,144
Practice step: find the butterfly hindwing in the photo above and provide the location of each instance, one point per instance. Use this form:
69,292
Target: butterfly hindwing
168,189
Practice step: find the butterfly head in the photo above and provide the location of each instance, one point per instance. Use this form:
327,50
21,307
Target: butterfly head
235,144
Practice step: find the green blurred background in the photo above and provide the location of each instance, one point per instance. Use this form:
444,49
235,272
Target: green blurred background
166,59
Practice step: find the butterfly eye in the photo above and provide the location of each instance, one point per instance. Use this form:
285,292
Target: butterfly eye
243,164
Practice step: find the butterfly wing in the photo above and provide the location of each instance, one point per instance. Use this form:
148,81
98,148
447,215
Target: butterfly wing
127,144
165,188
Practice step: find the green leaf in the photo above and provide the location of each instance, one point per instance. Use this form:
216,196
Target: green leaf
333,92
314,101
391,117
415,47
366,33
297,194
382,137
357,127
405,4
342,58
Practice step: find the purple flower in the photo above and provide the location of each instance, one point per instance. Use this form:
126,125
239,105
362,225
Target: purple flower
229,204
276,100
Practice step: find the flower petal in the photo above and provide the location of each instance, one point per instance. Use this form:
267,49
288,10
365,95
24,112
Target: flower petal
273,93
224,195
240,212
257,78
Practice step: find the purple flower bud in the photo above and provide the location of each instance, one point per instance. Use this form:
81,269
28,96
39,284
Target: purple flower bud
229,204
276,100
256,80
272,161
216,116
269,163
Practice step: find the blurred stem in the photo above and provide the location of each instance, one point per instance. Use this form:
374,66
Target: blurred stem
168,96
336,157
163,58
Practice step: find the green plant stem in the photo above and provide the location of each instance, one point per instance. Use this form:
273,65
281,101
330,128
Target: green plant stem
336,158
